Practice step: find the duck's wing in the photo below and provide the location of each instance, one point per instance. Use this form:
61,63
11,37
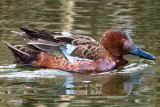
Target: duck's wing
41,35
37,34
82,47
41,39
71,45
23,53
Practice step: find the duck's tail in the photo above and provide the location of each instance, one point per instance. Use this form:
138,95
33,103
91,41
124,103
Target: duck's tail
23,54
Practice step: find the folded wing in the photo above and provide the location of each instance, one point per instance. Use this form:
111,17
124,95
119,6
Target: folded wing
70,45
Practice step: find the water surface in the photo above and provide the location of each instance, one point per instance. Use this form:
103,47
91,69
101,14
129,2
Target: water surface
136,84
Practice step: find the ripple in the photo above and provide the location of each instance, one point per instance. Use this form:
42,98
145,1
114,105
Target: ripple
42,73
8,66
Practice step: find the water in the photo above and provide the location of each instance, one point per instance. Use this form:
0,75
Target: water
136,84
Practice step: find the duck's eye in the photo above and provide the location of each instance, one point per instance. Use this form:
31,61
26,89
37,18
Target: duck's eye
123,40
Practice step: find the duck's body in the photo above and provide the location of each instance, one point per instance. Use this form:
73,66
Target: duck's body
74,52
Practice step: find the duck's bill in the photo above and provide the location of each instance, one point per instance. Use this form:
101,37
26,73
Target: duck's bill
139,52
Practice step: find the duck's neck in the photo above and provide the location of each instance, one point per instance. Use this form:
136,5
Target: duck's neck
120,61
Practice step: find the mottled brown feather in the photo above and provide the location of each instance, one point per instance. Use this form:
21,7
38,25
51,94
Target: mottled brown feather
86,47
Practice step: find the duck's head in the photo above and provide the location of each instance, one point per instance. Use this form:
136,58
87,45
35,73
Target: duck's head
118,43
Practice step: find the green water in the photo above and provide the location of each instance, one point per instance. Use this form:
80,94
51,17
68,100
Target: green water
136,84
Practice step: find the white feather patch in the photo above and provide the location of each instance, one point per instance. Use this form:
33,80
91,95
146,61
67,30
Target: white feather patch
68,50
64,33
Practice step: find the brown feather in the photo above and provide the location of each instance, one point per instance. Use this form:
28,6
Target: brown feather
86,47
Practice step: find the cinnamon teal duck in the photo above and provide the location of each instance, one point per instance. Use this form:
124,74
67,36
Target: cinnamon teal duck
76,53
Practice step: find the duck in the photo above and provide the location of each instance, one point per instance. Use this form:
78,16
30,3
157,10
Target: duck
75,53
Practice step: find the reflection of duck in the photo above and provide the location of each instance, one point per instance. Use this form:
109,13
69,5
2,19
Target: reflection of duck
114,87
119,85
107,85
75,53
